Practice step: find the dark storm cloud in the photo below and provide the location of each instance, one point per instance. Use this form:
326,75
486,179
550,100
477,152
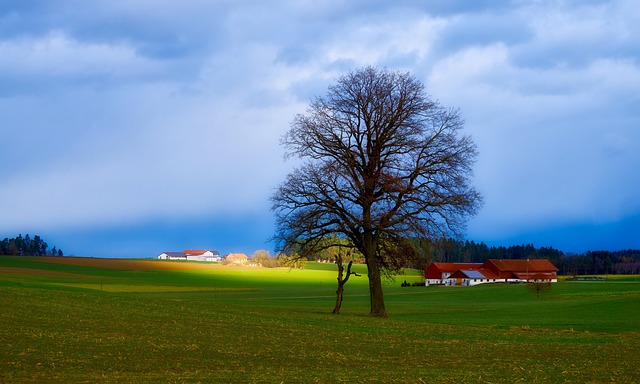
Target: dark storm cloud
112,108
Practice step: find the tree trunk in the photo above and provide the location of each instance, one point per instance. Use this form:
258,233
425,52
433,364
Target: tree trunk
375,281
339,293
342,280
340,290
375,289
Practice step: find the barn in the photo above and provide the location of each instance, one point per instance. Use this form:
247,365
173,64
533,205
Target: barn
469,277
536,270
491,271
438,273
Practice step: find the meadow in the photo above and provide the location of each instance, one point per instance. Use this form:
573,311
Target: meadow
81,320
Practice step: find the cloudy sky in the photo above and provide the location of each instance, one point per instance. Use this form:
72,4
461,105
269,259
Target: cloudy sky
134,127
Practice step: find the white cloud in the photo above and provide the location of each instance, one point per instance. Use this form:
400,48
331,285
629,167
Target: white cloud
382,40
546,133
574,34
142,109
155,150
58,55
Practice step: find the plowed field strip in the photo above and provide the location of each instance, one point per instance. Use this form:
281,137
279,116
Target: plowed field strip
128,264
41,272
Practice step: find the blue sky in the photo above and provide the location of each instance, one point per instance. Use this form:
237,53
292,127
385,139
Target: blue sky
135,127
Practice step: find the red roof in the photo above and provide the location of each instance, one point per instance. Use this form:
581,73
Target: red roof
531,265
488,273
194,252
452,267
435,270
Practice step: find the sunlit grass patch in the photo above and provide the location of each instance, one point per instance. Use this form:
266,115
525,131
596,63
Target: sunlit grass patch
276,326
125,288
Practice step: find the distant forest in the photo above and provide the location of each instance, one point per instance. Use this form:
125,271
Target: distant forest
27,246
590,263
445,250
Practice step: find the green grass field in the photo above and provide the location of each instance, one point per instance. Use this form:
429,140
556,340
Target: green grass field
70,323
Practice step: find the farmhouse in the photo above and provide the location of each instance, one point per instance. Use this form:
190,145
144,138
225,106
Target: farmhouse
491,271
437,273
191,255
236,258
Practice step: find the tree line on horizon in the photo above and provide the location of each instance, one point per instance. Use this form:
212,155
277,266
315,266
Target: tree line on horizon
27,246
622,262
590,263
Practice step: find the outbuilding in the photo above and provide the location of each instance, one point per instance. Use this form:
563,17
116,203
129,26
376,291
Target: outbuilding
191,255
438,273
236,258
491,271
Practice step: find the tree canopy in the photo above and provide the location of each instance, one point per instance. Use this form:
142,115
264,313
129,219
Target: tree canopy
27,246
384,163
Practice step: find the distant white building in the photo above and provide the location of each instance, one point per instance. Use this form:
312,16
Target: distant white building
191,255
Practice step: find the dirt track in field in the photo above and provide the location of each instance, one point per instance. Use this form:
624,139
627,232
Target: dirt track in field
40,272
135,265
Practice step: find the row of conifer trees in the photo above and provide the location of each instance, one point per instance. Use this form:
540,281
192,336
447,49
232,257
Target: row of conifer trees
27,246
591,262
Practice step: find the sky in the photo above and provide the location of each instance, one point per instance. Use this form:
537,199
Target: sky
130,128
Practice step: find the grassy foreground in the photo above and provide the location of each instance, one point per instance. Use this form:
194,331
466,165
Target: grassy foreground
92,320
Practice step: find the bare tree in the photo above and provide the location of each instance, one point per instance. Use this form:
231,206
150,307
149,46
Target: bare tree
340,251
385,164
538,286
263,258
342,280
